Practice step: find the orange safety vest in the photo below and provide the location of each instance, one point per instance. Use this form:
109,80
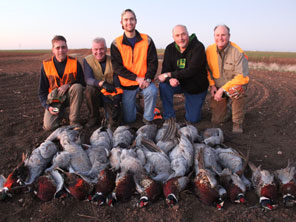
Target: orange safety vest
53,77
133,59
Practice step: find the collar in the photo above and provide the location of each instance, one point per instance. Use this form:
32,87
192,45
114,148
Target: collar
62,62
125,39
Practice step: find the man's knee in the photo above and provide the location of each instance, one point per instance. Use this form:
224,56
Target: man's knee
90,90
77,88
163,86
151,91
50,126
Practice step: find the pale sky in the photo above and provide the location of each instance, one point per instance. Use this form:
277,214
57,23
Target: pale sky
263,25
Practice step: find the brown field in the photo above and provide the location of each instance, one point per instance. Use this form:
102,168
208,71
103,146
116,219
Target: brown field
269,128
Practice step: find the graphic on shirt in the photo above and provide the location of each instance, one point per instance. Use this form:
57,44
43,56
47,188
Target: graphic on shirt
181,63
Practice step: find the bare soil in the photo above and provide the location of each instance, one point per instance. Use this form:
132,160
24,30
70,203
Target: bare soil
269,133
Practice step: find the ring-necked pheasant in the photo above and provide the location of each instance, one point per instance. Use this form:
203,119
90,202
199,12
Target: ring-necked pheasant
173,187
232,177
15,179
49,186
104,186
264,184
206,185
287,182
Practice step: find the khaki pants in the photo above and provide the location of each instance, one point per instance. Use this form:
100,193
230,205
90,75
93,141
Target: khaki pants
220,112
74,100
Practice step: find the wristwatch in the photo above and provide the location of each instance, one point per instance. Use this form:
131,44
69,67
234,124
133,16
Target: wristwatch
166,75
148,80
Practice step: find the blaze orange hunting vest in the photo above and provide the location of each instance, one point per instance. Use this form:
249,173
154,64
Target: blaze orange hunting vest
133,59
53,77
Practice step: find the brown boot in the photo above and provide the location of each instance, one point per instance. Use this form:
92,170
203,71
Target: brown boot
237,128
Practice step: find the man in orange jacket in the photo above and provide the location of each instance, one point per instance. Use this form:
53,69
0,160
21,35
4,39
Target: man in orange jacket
61,84
228,77
134,60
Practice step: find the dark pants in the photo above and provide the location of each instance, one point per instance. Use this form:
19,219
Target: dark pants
193,102
95,99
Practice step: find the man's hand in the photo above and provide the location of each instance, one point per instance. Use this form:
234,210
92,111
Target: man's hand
218,95
53,111
213,91
145,84
109,87
63,89
163,77
140,80
174,82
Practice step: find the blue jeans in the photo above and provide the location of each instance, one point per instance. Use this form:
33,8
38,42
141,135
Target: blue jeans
193,102
129,103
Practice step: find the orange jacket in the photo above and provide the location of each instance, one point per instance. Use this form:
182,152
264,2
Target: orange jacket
229,70
53,77
133,59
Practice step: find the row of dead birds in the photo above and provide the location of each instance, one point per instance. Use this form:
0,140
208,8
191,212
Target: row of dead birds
149,161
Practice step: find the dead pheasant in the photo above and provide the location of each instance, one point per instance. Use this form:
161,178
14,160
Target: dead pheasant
98,156
148,189
131,166
145,131
104,186
181,157
235,187
14,180
206,185
287,182
49,186
39,159
166,138
123,136
173,187
232,177
124,188
76,186
190,132
157,165
103,137
263,182
73,158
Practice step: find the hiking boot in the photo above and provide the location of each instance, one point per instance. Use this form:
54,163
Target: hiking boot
91,123
237,128
76,126
146,122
